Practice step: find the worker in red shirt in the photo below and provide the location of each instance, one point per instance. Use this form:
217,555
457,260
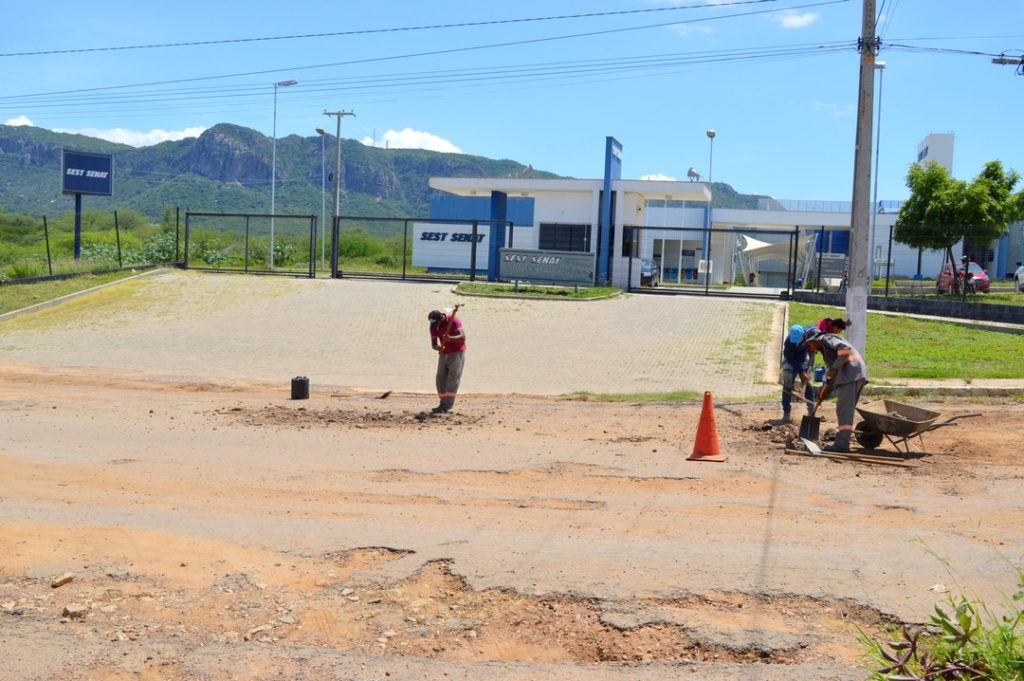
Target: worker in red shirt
448,339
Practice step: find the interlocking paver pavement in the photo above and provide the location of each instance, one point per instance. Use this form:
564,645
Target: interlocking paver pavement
372,335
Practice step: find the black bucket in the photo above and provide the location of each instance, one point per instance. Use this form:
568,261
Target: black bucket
300,388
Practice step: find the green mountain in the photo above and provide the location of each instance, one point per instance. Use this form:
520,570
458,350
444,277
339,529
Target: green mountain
228,169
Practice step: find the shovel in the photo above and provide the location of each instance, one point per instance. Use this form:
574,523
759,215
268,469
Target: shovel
810,425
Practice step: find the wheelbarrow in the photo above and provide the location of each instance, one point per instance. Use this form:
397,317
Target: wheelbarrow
898,423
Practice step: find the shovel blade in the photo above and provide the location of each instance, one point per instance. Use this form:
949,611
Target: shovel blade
810,427
812,447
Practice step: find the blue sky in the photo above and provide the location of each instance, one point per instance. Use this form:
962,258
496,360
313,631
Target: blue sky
777,80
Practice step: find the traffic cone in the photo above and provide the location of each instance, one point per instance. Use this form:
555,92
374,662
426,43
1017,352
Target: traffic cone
705,448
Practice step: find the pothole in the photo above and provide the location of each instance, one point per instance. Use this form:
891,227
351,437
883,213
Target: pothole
303,417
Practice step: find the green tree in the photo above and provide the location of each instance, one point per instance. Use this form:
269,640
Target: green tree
942,210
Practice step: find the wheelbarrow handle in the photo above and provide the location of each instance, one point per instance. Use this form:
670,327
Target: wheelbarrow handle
950,421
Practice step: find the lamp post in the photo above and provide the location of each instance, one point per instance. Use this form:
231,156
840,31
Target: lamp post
273,170
707,233
323,195
337,179
880,67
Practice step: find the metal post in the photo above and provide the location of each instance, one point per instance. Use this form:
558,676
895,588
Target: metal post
78,227
888,260
273,172
707,235
117,235
177,231
46,237
323,200
821,249
335,229
472,251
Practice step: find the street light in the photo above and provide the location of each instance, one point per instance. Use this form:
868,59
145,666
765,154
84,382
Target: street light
273,170
880,67
323,196
337,179
707,233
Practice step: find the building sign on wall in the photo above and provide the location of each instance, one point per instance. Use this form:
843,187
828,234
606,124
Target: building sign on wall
547,266
83,172
448,247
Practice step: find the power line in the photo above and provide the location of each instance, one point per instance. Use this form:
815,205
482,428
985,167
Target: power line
435,52
434,80
400,29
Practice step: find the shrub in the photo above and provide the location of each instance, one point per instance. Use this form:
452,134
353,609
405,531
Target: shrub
968,643
160,248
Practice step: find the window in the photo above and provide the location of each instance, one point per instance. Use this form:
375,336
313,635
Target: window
561,237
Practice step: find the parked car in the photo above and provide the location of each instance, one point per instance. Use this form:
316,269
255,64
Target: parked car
974,279
650,273
1018,279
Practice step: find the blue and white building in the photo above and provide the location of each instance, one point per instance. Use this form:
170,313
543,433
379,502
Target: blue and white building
593,215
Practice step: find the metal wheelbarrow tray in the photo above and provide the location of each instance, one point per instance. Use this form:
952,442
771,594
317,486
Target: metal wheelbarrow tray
897,422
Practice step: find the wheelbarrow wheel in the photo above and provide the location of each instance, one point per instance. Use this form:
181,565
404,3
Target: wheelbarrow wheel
867,435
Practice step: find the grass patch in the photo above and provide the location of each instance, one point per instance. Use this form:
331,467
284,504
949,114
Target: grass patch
908,347
533,291
18,296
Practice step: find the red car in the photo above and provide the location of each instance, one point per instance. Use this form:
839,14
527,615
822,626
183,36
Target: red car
975,277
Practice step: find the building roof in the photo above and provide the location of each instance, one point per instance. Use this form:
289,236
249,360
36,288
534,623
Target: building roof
650,189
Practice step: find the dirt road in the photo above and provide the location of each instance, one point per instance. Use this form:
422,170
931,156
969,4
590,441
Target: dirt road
221,530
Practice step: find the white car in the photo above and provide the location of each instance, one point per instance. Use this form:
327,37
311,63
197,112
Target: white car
1018,279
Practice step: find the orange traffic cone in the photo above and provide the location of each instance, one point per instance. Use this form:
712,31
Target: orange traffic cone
705,448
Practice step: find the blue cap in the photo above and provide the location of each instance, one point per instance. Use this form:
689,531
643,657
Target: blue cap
796,333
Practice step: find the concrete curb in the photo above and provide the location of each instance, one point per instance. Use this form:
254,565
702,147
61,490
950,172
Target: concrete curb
456,291
948,391
77,294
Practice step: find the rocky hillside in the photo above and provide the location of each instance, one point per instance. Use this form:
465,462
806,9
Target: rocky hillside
228,169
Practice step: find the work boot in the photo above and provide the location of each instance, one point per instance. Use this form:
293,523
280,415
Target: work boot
841,444
786,418
438,410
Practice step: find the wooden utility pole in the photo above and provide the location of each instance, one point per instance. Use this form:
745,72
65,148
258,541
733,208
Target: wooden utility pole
859,279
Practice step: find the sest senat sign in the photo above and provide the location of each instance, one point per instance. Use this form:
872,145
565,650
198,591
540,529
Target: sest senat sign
547,266
445,247
84,172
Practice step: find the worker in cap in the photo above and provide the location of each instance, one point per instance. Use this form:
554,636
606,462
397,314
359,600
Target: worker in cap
448,339
795,362
847,372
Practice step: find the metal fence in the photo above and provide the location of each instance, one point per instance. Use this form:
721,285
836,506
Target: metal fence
763,263
250,242
37,249
416,248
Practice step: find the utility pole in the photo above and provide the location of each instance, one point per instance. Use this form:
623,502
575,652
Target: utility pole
337,179
1013,61
860,233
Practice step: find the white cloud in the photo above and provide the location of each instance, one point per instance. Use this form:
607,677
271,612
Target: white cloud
658,177
792,19
19,120
412,139
135,138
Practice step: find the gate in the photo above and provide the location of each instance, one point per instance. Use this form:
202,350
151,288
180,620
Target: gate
251,242
415,248
753,262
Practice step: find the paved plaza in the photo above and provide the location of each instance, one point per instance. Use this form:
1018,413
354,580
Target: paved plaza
372,335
